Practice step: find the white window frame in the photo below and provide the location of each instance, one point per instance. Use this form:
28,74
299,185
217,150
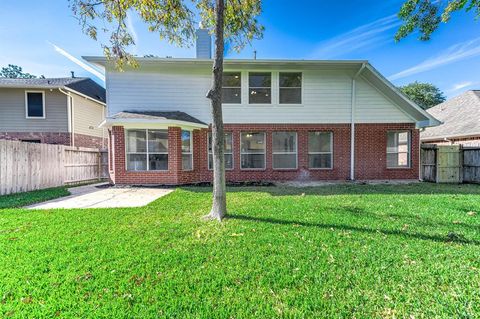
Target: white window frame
285,153
248,153
321,153
235,87
285,87
188,153
224,152
147,153
26,105
409,149
260,87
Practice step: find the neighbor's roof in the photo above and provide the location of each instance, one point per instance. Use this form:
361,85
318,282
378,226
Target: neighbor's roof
85,86
460,117
369,73
158,117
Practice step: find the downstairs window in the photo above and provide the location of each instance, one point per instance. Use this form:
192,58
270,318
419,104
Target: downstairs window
147,150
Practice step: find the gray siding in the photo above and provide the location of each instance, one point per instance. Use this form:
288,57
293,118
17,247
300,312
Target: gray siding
13,117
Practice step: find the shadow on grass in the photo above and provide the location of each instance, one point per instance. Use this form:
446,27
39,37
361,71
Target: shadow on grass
449,238
353,189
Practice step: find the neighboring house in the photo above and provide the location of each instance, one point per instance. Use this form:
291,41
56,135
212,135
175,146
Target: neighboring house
461,121
56,111
284,120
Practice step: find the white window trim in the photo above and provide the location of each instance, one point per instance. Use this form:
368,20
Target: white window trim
235,87
296,87
249,153
224,153
26,105
285,153
409,151
147,153
189,153
260,87
320,153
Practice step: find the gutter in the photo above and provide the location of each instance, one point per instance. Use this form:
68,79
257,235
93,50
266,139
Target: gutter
352,122
71,124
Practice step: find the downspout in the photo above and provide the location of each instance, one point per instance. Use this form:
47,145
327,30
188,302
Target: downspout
352,123
69,116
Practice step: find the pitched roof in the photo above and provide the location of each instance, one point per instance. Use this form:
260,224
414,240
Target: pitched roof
460,116
85,86
155,116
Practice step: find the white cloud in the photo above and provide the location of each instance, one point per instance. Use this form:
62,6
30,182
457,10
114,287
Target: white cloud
367,35
459,86
80,63
454,53
131,28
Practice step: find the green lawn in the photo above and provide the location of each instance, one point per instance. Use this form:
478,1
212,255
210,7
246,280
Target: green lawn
342,251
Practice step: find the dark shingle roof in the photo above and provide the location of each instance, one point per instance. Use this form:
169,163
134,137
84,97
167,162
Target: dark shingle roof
460,117
152,115
84,86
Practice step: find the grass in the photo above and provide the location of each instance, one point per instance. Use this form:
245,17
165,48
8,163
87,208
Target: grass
29,198
406,251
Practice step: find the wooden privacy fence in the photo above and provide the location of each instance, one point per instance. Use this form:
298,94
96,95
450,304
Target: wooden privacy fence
30,166
450,163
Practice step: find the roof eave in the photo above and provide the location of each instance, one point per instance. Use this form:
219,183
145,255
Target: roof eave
109,122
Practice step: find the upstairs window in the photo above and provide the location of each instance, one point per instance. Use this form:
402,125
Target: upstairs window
252,150
290,86
35,104
232,88
320,150
227,151
147,150
187,154
398,149
284,150
260,88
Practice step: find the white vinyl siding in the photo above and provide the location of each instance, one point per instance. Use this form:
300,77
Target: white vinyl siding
87,116
326,96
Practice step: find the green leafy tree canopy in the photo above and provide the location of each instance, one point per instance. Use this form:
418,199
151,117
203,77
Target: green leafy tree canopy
425,95
426,15
15,72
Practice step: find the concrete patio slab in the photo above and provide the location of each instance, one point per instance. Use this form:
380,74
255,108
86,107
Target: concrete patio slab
104,196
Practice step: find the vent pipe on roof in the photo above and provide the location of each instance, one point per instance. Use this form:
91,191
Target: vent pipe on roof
203,44
73,74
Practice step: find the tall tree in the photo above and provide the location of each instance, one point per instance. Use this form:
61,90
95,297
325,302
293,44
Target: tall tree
174,20
15,72
425,95
426,15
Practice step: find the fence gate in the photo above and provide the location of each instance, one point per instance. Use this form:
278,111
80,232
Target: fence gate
471,164
429,162
449,164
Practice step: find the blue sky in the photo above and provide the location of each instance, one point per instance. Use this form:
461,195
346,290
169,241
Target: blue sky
32,34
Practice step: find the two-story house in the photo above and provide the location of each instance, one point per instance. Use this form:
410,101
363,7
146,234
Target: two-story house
284,120
64,111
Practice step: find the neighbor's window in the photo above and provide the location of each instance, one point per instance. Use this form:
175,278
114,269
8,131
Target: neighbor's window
232,88
35,104
290,86
284,150
147,150
260,87
227,151
252,150
320,150
398,149
187,153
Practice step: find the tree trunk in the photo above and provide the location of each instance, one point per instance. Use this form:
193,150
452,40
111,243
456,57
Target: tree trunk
219,206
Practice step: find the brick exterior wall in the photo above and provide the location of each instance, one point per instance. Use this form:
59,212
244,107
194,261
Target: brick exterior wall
370,155
62,138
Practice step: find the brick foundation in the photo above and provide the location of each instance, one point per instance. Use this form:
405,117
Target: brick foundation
370,155
62,138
